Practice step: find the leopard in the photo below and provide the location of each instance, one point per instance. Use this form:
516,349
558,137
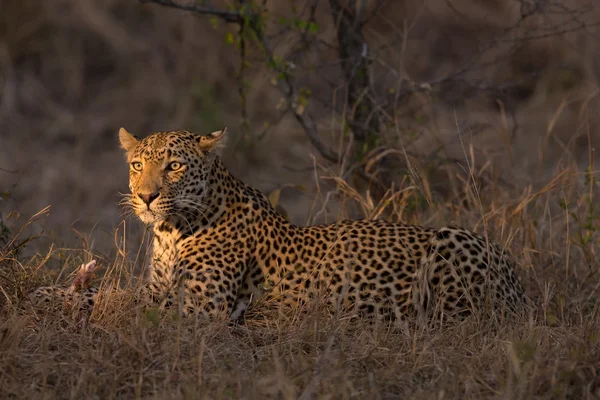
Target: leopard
219,246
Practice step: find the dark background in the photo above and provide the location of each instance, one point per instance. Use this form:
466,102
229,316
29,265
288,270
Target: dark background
73,71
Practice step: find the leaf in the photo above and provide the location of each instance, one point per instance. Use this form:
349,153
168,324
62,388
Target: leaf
153,315
229,38
274,197
300,187
551,319
300,24
525,351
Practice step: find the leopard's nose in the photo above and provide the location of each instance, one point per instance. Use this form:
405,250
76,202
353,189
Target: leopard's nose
148,197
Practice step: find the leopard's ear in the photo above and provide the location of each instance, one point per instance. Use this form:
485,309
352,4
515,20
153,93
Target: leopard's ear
128,141
213,141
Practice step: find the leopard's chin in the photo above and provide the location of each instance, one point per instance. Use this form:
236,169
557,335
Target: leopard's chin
149,217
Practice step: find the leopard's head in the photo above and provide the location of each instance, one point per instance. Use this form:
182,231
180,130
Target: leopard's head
169,172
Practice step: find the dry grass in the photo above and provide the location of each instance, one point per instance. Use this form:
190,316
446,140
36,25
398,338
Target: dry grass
129,353
519,167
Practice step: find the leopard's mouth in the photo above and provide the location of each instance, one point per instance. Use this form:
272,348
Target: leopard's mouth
149,217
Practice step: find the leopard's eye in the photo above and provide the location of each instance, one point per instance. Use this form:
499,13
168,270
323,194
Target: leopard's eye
174,166
137,166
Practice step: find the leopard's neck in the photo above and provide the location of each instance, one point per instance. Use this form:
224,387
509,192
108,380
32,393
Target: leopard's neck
228,199
164,257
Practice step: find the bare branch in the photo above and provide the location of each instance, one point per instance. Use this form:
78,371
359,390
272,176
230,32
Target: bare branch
353,50
366,109
311,131
285,84
227,16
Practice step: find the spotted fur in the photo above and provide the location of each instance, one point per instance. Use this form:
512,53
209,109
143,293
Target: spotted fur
219,244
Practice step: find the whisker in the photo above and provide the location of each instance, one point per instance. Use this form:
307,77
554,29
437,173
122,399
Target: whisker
199,207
